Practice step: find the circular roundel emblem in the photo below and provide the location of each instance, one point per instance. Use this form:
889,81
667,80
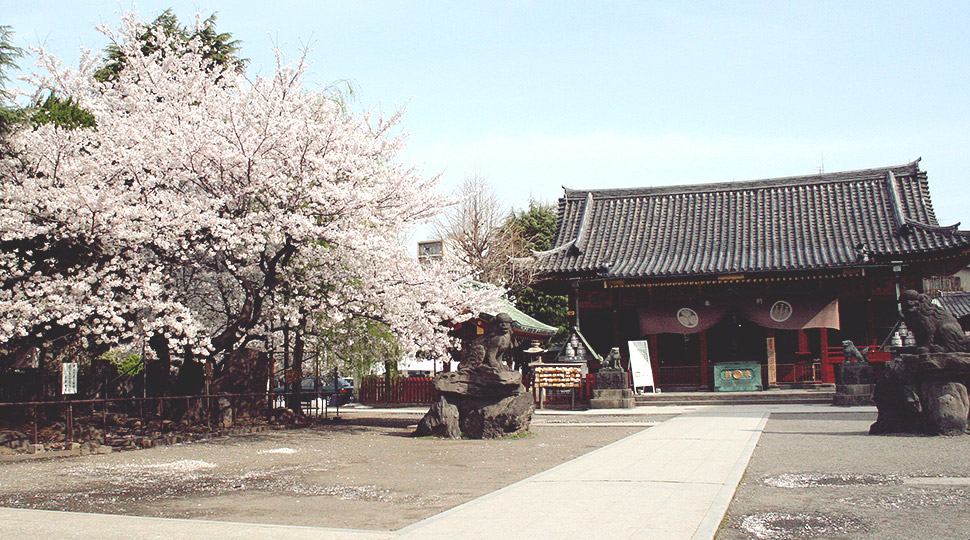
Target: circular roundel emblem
687,317
780,311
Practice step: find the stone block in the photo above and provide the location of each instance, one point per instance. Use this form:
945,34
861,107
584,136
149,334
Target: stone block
855,373
612,379
855,389
843,400
35,448
612,398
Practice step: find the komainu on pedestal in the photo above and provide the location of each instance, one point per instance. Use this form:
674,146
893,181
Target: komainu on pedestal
925,390
483,398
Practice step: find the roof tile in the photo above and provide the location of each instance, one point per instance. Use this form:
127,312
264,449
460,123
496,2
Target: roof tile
783,224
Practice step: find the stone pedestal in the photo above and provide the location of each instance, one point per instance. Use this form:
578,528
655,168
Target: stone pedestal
924,393
612,398
479,402
855,385
612,391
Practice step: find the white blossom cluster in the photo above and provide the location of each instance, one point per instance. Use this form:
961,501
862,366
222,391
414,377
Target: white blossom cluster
207,207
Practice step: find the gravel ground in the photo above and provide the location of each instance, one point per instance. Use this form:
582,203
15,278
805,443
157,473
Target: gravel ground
365,473
823,476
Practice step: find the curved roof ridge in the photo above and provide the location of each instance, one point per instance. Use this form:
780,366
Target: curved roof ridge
878,173
553,251
951,229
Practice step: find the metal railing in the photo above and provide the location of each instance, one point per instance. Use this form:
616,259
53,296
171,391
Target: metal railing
212,413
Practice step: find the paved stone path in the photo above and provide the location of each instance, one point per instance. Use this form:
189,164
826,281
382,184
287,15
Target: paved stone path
673,480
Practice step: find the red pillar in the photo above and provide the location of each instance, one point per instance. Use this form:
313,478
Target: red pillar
828,370
705,375
802,343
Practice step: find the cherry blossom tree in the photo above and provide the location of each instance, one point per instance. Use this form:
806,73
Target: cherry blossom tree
207,209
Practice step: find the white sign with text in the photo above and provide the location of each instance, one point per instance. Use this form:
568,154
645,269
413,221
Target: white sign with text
68,379
640,365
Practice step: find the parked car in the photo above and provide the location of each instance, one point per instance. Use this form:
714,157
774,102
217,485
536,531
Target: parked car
322,387
343,394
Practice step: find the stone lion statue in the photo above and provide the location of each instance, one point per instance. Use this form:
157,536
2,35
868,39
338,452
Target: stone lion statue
934,328
491,349
612,361
852,353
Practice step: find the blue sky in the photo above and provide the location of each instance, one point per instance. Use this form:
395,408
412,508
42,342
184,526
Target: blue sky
537,95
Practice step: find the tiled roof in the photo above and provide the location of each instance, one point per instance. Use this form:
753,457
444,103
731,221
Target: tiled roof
957,303
821,221
521,321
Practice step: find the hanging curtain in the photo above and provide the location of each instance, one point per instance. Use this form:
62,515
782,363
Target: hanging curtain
680,316
791,312
781,312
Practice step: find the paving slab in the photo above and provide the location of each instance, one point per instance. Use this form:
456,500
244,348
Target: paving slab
675,479
47,524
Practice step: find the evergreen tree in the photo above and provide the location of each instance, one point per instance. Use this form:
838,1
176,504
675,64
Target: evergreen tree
536,229
219,50
8,56
62,113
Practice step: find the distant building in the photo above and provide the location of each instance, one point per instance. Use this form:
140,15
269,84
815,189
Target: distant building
773,271
431,251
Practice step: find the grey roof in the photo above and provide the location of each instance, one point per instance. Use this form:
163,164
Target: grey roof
821,221
957,303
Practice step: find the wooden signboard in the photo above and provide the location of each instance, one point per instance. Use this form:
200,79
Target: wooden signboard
772,362
557,376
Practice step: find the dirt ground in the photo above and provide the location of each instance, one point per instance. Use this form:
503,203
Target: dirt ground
366,473
823,476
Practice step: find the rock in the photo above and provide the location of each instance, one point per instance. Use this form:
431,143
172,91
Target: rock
924,393
946,406
479,380
853,395
492,418
478,402
482,399
13,439
442,420
35,448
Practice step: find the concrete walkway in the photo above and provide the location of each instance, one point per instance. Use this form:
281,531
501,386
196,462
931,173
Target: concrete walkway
673,480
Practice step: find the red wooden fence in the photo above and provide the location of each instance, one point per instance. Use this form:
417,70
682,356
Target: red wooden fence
419,390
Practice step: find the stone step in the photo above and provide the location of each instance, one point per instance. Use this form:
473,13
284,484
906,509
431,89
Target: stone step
738,398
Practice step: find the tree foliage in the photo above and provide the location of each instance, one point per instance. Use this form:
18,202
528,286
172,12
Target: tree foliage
8,62
62,113
207,210
536,229
496,244
166,35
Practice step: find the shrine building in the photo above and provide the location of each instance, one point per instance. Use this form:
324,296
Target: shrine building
777,271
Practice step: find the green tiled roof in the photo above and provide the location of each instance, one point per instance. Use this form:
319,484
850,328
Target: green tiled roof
521,321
